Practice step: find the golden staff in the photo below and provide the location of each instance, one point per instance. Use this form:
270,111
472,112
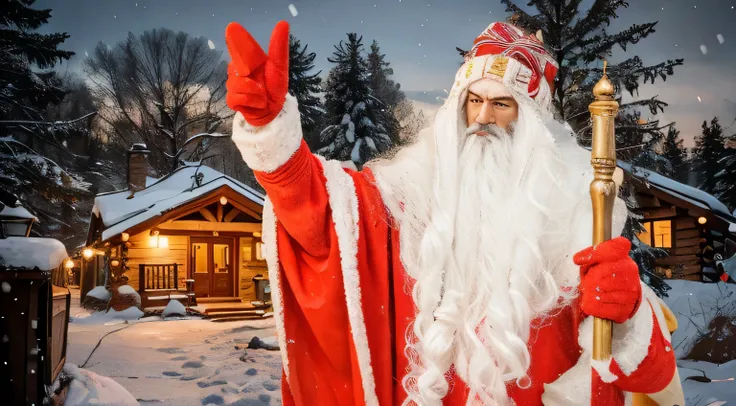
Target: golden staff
603,189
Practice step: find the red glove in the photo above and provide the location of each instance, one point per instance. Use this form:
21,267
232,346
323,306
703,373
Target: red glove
257,83
609,280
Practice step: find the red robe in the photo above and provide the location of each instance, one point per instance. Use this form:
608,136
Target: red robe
342,301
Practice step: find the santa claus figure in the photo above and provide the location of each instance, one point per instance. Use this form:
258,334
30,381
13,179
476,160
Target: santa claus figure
457,271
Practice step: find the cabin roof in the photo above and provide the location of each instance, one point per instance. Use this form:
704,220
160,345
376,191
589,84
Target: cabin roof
679,191
118,213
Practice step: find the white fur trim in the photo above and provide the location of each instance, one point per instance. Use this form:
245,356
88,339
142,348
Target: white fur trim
274,275
489,88
631,339
344,205
604,370
268,147
571,388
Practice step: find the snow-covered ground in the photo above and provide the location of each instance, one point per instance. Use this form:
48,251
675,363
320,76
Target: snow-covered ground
184,361
695,304
189,361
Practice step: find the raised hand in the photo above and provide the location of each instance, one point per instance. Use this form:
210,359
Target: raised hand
257,83
609,280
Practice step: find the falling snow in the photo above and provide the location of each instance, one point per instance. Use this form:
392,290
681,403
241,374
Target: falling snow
721,40
292,10
704,49
210,44
699,99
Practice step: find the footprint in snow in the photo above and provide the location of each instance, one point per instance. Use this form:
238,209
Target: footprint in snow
179,359
213,399
171,373
251,372
171,350
213,383
192,364
269,386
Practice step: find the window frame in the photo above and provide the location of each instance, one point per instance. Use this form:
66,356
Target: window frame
671,220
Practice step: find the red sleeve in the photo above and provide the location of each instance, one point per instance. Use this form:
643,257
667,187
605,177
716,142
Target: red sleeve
299,197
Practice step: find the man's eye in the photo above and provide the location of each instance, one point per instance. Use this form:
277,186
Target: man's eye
476,101
499,104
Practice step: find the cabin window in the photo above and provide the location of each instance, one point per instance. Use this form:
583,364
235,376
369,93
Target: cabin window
657,234
200,257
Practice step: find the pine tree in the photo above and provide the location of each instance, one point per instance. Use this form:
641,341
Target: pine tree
708,151
354,131
387,92
578,41
35,163
305,86
675,153
726,177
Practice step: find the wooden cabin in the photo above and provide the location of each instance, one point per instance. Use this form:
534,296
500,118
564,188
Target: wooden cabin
690,224
194,224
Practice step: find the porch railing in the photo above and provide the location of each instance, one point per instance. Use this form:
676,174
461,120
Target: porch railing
158,277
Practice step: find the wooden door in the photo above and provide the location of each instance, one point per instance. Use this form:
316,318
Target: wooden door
222,267
199,260
212,266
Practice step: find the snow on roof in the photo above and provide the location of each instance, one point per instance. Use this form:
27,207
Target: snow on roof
689,193
732,227
119,213
32,252
17,212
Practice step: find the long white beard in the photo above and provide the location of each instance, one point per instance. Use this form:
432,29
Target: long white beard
502,269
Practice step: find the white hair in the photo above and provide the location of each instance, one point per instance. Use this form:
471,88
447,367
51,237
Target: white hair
485,234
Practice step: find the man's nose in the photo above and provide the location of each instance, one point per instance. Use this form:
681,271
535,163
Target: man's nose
486,115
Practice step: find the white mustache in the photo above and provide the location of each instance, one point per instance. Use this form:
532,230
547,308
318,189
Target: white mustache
491,129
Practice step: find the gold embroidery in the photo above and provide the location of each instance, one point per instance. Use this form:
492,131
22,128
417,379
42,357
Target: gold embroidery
469,71
498,67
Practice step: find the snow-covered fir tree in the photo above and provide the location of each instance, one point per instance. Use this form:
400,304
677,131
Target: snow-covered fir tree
305,85
708,151
354,131
675,154
35,163
726,177
387,93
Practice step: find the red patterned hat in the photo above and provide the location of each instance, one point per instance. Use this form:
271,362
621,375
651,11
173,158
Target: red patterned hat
504,53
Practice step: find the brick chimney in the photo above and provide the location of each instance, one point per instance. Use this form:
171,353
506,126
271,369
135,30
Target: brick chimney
137,167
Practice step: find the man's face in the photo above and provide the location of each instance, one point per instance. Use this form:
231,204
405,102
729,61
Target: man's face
501,111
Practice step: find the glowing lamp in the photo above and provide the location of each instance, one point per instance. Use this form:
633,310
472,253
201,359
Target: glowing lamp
702,220
115,262
158,242
125,237
223,200
69,264
87,253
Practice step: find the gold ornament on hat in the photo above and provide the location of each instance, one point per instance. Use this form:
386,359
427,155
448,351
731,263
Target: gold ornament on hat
498,67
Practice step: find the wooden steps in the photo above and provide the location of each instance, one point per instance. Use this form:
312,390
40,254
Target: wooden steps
224,312
205,300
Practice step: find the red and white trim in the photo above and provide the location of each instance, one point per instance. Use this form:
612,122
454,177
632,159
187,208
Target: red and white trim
344,206
268,147
270,251
630,346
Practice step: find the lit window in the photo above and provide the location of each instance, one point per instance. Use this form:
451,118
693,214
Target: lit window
657,234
